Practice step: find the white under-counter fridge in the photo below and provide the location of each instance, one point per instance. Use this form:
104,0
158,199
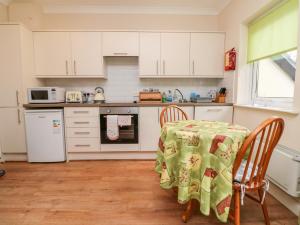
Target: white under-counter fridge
45,135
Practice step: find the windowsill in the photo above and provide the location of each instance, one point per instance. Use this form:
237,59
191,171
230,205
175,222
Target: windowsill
269,108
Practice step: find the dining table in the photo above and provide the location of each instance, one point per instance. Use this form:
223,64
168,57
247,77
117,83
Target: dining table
196,157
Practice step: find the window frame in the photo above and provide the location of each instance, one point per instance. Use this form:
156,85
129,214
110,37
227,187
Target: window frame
280,102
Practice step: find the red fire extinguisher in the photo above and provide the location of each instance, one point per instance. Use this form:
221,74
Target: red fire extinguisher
230,60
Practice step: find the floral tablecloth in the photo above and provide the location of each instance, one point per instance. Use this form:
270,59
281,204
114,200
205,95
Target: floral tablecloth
197,157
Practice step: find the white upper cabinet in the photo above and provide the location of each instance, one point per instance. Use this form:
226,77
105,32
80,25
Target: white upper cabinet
207,54
149,59
175,54
87,57
120,43
52,53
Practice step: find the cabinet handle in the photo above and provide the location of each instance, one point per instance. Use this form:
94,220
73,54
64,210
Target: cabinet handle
75,70
193,65
67,68
214,110
81,112
19,116
164,67
17,97
82,132
82,145
157,67
120,53
83,122
158,116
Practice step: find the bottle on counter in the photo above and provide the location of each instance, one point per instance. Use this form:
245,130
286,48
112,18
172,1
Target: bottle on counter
169,96
164,97
175,97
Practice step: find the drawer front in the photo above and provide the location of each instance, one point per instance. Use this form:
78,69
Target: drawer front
214,113
82,122
81,112
83,132
83,144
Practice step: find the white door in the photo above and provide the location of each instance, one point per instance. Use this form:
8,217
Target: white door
214,113
87,57
207,54
175,54
120,43
10,69
149,59
52,53
149,129
12,132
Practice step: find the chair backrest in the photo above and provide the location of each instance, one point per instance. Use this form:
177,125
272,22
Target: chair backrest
259,146
172,113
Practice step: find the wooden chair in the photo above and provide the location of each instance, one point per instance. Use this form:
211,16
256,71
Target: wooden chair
172,113
259,145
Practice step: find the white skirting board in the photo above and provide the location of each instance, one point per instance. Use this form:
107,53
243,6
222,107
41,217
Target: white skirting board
6,157
112,155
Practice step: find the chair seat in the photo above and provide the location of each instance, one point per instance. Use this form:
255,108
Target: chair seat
240,172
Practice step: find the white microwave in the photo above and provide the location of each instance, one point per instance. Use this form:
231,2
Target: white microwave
46,95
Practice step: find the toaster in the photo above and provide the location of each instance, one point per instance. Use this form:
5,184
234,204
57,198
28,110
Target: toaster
73,97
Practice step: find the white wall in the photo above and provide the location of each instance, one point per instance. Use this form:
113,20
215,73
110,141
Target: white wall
233,21
32,15
3,13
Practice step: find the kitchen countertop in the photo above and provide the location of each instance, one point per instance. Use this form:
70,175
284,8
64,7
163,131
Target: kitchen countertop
62,105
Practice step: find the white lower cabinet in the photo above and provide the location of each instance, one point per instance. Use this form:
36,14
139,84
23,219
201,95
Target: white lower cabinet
82,127
12,132
149,129
83,144
214,113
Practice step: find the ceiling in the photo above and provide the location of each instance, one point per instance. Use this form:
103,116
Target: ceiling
181,7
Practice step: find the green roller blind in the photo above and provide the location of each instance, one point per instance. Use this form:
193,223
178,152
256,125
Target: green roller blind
274,33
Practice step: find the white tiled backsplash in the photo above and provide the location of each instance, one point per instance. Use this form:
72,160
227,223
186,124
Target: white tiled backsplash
123,83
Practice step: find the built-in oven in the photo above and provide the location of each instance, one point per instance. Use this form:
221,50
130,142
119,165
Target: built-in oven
126,134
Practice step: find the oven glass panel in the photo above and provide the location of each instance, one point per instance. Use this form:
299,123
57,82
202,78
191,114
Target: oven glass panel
127,134
39,95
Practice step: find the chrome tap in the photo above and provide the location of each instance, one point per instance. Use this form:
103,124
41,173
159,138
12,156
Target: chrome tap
181,95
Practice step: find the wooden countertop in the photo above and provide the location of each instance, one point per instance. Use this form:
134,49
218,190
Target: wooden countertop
62,105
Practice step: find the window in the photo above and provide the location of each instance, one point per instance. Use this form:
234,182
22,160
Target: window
274,79
272,55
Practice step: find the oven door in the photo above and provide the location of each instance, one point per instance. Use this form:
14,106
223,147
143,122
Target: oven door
127,134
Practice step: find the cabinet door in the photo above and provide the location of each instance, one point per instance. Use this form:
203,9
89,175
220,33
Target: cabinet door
214,113
12,132
10,69
149,131
207,54
52,53
189,110
120,44
175,54
149,59
87,53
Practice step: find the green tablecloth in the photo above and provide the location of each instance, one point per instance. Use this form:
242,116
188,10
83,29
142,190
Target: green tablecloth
197,157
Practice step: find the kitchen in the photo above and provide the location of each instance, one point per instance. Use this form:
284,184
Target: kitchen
71,71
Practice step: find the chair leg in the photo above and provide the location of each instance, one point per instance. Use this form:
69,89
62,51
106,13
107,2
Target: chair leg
186,215
264,208
237,208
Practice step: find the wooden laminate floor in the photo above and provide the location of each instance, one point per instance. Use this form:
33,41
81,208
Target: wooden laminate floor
102,192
